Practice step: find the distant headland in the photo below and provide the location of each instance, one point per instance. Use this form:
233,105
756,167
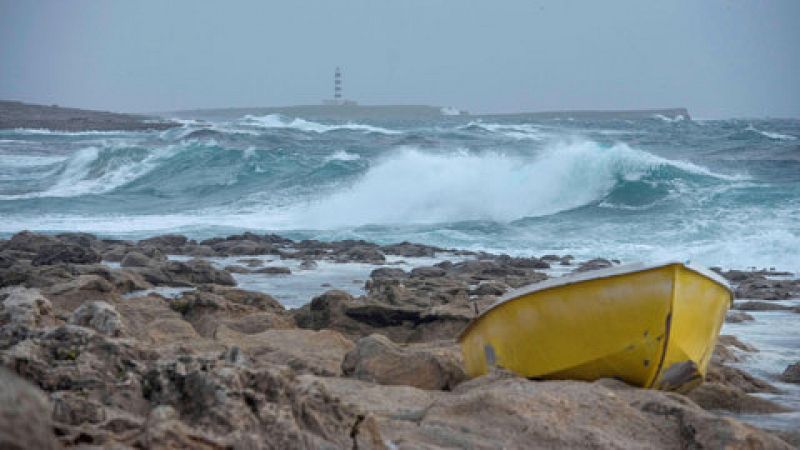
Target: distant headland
14,114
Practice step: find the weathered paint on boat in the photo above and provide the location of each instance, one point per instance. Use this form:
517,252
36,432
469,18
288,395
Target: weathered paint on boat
652,326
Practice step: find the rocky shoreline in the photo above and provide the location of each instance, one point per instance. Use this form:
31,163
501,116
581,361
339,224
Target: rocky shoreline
28,116
95,355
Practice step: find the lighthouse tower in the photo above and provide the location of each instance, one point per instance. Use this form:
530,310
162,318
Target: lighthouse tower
337,86
337,99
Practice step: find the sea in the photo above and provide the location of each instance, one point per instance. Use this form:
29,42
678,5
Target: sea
722,193
717,192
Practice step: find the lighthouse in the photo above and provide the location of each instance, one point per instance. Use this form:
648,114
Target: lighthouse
338,100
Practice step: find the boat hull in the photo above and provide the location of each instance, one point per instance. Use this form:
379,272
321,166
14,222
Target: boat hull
654,327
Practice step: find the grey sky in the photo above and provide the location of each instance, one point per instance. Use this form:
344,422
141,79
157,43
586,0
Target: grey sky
718,58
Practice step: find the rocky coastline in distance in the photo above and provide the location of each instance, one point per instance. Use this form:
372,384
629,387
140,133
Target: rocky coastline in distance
15,114
96,354
19,115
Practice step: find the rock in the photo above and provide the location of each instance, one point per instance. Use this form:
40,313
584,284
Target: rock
410,250
594,264
195,271
305,351
64,253
360,253
135,259
207,310
503,411
388,272
25,307
738,317
24,415
716,396
759,287
760,306
792,373
273,270
126,281
219,406
237,269
99,316
428,272
495,288
30,242
73,409
167,243
732,341
377,359
83,283
251,262
241,247
733,377
308,264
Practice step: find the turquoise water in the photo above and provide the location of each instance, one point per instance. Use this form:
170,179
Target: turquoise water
716,192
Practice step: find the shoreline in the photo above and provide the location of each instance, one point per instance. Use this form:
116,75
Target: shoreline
368,342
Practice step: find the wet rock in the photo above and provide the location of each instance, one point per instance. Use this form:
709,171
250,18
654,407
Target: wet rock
100,316
273,270
792,373
24,415
594,264
388,272
308,264
251,262
524,263
125,281
237,269
375,358
760,306
83,283
410,250
716,396
361,253
760,287
733,377
135,259
428,272
195,271
738,317
167,243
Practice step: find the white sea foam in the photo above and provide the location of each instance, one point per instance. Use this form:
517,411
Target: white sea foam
342,155
771,134
517,131
279,121
412,186
678,118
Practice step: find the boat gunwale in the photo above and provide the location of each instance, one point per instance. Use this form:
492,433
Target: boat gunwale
599,274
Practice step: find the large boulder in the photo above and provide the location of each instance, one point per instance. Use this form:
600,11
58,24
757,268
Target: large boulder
135,259
24,415
375,358
792,373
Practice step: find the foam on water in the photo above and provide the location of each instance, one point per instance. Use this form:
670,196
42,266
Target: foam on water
771,134
279,121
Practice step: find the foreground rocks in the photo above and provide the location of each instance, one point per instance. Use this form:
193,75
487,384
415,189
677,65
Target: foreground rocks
93,358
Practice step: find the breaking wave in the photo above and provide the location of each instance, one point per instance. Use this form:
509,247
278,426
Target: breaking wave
279,121
423,187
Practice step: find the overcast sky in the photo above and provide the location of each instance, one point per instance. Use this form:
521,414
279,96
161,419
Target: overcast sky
731,58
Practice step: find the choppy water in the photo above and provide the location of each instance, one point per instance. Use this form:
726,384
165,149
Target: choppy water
716,192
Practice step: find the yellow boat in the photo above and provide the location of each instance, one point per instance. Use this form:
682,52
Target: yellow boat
653,326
